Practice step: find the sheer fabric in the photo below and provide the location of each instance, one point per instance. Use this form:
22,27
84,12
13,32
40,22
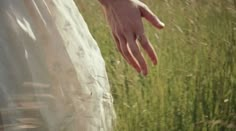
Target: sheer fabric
52,74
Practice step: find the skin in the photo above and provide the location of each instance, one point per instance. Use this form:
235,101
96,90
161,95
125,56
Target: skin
125,20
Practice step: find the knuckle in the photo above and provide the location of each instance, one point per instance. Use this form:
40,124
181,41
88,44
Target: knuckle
144,7
140,31
119,33
126,31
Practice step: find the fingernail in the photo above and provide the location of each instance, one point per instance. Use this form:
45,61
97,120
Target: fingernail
162,25
138,70
144,73
154,62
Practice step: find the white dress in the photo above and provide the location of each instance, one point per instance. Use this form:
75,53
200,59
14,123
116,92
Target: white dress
52,74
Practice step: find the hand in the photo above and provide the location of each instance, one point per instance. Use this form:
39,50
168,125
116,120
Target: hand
125,20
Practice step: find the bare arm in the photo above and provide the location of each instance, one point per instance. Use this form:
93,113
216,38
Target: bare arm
125,20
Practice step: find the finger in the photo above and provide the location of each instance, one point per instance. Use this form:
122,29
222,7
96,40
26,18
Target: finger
148,48
127,55
136,53
119,47
151,17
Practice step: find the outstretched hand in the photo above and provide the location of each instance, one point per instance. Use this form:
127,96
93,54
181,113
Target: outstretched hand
125,20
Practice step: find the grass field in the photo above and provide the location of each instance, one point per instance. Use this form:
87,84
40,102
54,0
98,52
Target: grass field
194,86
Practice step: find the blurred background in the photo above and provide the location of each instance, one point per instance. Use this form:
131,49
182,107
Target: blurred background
194,85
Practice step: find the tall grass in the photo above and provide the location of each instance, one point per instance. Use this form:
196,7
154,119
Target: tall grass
194,85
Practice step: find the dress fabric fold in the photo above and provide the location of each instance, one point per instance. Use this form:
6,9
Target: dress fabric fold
52,74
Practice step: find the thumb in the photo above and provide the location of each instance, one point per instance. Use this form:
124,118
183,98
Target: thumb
151,17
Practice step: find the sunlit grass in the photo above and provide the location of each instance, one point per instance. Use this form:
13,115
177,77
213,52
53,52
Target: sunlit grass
194,85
